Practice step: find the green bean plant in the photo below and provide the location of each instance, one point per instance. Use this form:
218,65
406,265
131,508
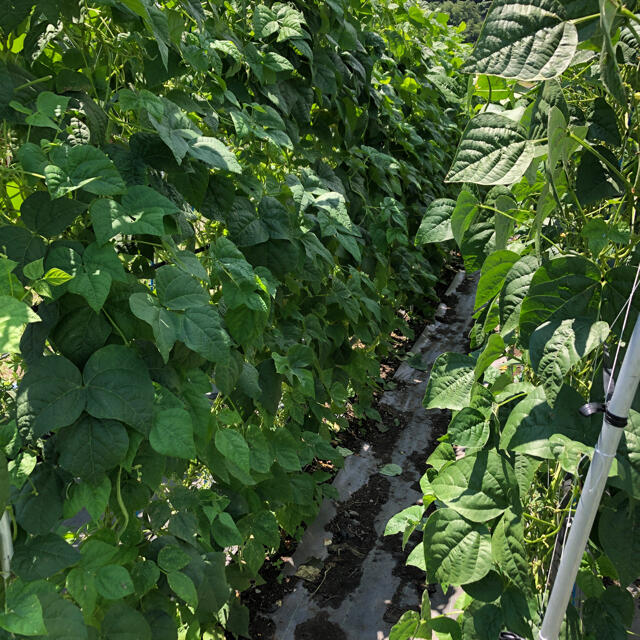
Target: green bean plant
206,210
547,214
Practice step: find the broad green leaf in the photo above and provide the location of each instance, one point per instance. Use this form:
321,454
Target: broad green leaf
450,382
557,134
113,582
334,206
172,434
32,158
225,532
514,290
569,453
92,497
42,557
100,267
18,476
96,553
214,153
599,234
493,274
509,551
57,277
488,589
143,99
265,21
176,130
528,40
141,211
556,347
80,585
173,558
621,548
400,521
183,587
609,70
550,95
119,387
50,395
202,331
248,383
566,287
628,458
469,428
121,622
234,447
525,469
463,213
442,455
479,486
264,526
411,626
286,449
13,317
227,372
38,505
82,167
145,574
93,285
478,240
20,246
34,270
619,283
482,621
9,284
595,181
436,222
445,628
23,611
493,350
165,323
62,618
49,217
603,123
178,290
91,447
456,551
494,150
79,333
391,470
532,422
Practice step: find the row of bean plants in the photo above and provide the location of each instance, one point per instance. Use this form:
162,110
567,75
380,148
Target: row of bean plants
207,219
548,215
206,216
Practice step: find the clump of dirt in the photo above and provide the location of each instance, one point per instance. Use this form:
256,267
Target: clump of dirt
353,538
319,627
266,598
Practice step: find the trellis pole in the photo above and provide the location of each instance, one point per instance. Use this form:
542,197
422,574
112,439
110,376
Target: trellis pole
613,423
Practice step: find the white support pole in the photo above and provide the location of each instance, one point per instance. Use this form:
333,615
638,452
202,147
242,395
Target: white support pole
6,545
605,451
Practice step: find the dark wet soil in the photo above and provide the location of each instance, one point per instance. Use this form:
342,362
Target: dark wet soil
353,538
319,628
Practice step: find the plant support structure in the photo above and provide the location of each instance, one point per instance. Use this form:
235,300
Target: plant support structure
613,423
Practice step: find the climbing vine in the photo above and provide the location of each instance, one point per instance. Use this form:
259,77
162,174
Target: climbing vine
207,221
548,216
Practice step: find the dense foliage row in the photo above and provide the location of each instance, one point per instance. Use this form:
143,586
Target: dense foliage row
548,215
206,219
469,12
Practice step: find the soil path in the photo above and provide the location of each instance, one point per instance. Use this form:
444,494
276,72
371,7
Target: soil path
352,581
